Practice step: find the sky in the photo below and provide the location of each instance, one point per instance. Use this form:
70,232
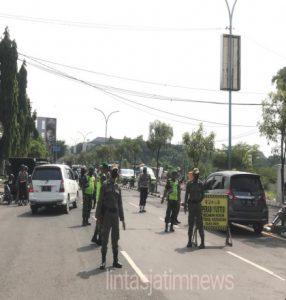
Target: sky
120,55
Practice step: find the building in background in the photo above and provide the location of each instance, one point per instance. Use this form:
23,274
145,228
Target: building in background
47,128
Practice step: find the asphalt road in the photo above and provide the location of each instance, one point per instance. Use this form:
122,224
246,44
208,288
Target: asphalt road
49,256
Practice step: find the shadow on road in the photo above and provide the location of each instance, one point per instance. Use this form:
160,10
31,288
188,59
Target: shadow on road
46,212
88,248
87,274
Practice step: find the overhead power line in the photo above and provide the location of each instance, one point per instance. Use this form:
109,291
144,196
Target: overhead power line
155,96
131,79
105,26
106,91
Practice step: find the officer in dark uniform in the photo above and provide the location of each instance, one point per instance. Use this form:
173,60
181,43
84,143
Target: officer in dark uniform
193,198
108,212
173,192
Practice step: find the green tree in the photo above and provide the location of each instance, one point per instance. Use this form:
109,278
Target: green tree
198,144
132,148
37,148
160,134
273,124
26,119
244,157
10,142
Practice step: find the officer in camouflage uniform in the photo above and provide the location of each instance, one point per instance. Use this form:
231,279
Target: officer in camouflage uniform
108,212
193,198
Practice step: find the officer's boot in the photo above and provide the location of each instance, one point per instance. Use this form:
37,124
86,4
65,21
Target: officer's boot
83,222
116,263
202,245
166,227
87,223
172,228
103,262
189,245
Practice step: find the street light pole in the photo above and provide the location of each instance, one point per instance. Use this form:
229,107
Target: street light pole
84,138
230,75
106,120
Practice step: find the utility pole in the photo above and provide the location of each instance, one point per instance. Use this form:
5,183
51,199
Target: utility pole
230,77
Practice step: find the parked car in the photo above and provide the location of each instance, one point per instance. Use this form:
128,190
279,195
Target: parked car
127,176
53,185
247,203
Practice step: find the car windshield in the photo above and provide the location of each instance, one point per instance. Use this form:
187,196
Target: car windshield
47,174
245,184
127,172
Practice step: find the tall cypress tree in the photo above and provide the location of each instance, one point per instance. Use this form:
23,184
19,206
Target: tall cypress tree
25,118
10,142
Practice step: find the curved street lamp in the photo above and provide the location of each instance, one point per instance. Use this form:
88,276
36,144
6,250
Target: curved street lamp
84,138
106,118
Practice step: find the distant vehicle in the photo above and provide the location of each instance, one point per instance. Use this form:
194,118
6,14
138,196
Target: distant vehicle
127,176
247,202
53,185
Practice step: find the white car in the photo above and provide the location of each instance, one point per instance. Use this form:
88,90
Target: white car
53,185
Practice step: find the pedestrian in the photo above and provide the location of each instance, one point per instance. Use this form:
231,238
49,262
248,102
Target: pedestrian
173,193
143,184
109,211
193,198
22,185
88,186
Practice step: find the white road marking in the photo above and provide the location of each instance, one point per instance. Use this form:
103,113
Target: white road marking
133,204
263,233
176,226
255,265
142,277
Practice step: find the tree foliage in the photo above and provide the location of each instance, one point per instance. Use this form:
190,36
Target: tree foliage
160,134
198,144
273,124
16,119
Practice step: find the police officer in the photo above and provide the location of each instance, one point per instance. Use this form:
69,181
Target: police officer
108,212
193,198
173,192
100,180
88,186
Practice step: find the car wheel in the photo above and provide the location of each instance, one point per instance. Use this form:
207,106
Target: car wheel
34,210
67,206
258,227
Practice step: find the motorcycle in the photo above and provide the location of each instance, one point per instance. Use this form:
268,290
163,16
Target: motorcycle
278,223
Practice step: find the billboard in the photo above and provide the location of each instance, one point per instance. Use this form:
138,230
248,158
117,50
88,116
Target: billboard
230,63
47,128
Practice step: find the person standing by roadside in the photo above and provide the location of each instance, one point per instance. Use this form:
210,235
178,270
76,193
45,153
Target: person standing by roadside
109,211
193,198
22,185
143,184
88,186
173,192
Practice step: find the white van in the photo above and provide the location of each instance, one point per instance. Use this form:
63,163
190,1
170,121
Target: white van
53,185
